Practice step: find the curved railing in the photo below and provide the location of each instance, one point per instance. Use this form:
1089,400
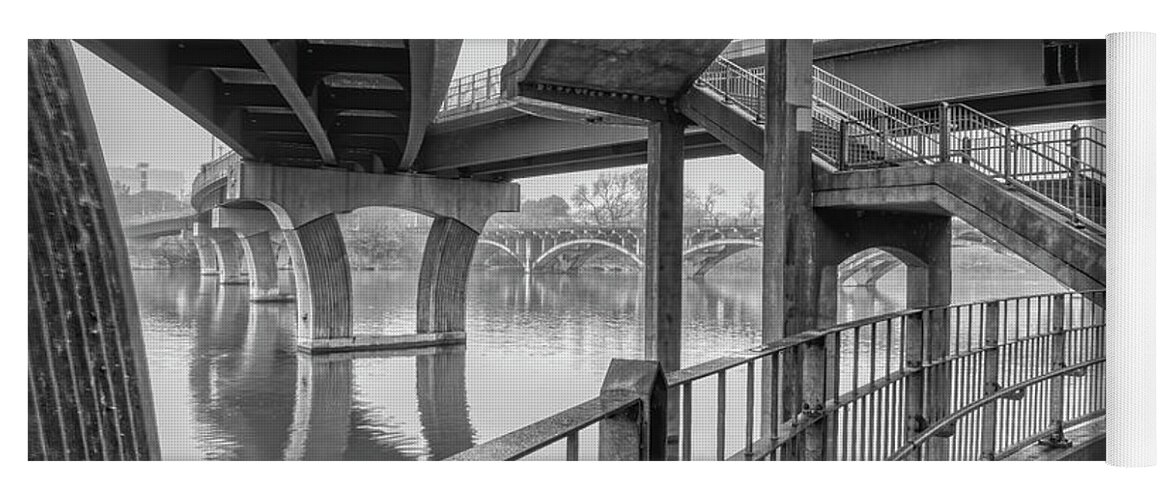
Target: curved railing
471,93
880,388
210,173
869,132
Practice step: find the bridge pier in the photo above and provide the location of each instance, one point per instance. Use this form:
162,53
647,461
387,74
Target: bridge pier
229,253
253,228
322,270
443,276
208,260
305,202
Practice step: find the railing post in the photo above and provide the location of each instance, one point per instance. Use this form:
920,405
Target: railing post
813,386
883,136
1075,167
1009,157
913,404
1057,384
640,432
944,132
988,432
966,146
844,145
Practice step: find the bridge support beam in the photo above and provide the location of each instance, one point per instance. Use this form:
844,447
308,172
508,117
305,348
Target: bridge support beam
799,281
663,334
208,260
253,227
322,271
262,272
229,253
443,277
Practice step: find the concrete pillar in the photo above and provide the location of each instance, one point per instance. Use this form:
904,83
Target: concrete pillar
792,283
230,255
253,227
664,245
322,271
929,285
443,277
663,333
443,401
208,260
640,433
262,271
89,396
321,413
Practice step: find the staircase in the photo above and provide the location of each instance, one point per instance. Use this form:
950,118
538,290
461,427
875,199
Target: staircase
1035,190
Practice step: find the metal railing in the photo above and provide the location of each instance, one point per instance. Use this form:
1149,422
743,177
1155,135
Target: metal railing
213,171
960,382
868,132
469,94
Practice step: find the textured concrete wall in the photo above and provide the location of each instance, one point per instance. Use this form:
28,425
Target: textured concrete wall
88,393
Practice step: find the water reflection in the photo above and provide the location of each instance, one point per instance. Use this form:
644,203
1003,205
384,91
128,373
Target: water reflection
229,383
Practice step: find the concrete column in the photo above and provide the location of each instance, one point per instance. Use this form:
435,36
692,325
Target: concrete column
262,272
443,401
89,396
929,285
664,245
663,332
639,433
792,288
321,413
322,270
443,277
230,254
253,227
208,260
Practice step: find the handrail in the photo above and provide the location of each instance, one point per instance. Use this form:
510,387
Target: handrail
466,94
213,171
878,359
888,135
536,436
1010,391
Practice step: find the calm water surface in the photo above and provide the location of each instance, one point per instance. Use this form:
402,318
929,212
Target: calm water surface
229,384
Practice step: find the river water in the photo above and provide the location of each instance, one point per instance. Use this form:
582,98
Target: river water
229,384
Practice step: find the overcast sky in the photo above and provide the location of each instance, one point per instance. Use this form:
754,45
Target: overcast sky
136,126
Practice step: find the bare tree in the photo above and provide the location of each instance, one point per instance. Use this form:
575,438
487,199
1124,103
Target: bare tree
751,206
709,201
612,198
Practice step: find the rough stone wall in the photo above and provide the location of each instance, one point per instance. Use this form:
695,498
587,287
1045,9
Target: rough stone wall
88,393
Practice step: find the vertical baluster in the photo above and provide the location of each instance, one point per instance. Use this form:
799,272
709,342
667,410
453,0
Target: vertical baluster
989,429
721,412
1057,384
571,447
686,437
857,413
914,350
750,408
774,401
1075,161
1009,159
944,132
844,145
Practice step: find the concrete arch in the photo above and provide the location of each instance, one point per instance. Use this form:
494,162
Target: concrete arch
561,247
865,268
731,247
503,249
